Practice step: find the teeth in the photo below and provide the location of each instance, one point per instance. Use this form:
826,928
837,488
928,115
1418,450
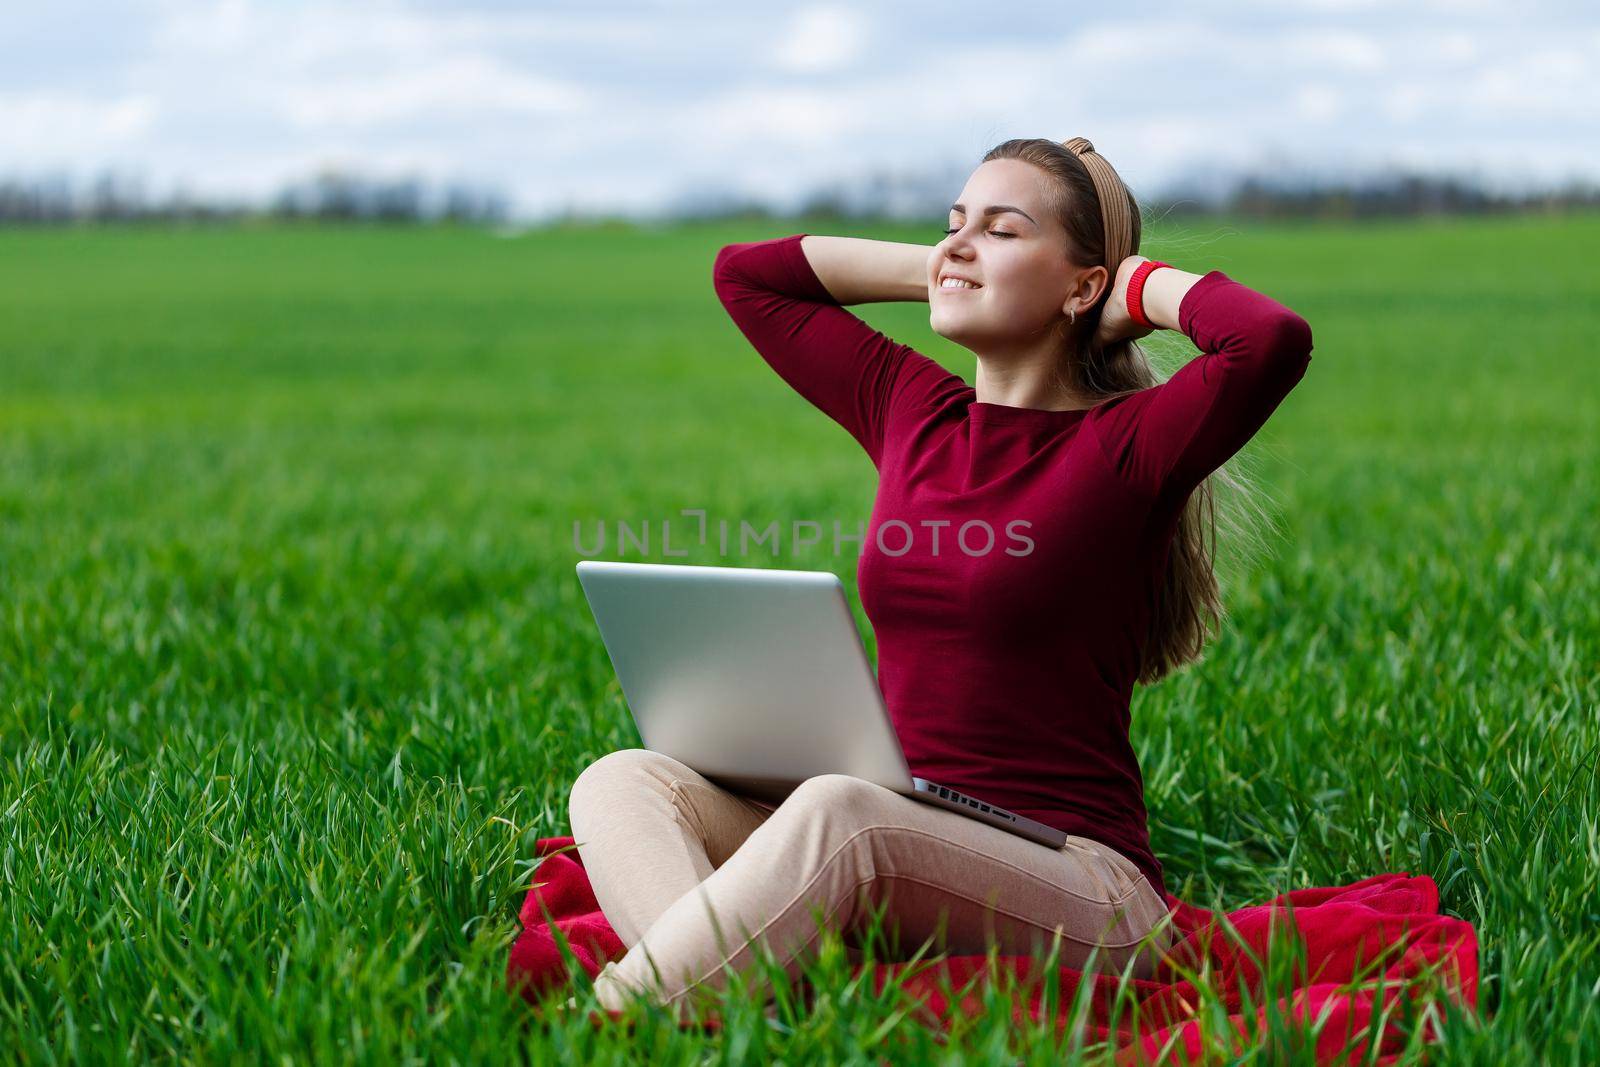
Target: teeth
956,283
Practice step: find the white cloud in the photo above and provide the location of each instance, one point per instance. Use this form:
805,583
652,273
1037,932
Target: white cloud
804,118
1319,103
1550,83
447,88
48,129
1406,102
1336,50
821,39
581,105
1458,47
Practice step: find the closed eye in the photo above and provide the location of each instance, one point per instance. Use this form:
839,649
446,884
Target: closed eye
994,233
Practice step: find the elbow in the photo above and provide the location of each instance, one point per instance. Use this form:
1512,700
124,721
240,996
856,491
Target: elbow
1291,338
723,275
719,266
1287,347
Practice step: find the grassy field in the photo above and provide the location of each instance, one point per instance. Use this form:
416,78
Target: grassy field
294,667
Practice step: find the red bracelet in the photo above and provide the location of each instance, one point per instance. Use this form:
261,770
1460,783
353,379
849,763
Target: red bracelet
1135,299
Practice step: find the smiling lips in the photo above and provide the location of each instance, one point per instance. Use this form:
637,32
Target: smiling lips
954,283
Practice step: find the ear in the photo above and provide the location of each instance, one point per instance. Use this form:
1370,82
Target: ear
1091,284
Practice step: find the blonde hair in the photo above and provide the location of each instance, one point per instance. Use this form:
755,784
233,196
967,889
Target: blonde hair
1188,607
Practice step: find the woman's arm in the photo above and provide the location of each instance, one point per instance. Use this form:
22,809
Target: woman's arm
1163,295
1164,290
860,271
1253,351
775,293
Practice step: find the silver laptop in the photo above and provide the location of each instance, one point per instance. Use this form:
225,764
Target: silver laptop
758,679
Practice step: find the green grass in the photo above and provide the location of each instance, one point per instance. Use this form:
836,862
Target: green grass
294,667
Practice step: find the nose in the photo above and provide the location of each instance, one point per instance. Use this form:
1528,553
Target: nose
956,247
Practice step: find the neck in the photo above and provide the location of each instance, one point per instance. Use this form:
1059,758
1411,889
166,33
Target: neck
1025,381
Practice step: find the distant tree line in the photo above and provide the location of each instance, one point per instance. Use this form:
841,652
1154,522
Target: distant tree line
1375,196
925,195
343,196
329,195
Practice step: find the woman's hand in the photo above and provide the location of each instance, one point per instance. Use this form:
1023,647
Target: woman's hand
1115,323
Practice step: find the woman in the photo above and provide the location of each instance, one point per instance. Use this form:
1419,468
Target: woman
1008,671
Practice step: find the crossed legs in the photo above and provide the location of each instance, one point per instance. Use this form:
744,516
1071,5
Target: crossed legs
693,876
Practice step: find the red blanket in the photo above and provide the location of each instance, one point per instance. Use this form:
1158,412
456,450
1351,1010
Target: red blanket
1368,948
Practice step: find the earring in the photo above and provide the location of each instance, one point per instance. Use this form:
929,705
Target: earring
1072,316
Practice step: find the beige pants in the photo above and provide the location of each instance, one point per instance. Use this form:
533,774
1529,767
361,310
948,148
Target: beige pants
691,876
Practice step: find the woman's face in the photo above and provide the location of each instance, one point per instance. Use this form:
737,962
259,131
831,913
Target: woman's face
1005,240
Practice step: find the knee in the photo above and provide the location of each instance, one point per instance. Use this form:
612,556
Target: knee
625,769
834,791
840,802
831,821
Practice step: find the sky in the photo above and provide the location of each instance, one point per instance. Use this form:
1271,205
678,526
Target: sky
631,108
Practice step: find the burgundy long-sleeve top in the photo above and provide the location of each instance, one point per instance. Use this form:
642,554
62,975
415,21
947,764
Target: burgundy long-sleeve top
1007,660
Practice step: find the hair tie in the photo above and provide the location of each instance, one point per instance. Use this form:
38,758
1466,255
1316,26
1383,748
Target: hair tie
1115,215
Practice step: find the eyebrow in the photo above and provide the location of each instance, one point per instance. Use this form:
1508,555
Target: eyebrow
995,210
